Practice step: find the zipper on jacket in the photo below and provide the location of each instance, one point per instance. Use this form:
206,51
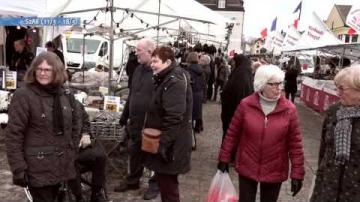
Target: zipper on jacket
341,179
261,143
265,121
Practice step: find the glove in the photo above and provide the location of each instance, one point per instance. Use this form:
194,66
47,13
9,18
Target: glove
20,179
223,167
296,186
85,141
165,154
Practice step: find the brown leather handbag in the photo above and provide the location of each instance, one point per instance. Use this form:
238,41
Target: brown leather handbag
150,140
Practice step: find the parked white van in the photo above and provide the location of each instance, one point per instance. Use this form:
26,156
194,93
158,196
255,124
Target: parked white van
97,51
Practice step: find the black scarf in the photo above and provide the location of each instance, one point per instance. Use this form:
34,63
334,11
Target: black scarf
54,90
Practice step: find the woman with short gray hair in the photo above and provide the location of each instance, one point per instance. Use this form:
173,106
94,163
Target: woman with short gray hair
337,177
265,133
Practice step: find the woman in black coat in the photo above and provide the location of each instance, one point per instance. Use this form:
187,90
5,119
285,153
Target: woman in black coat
291,82
170,112
239,86
198,85
337,176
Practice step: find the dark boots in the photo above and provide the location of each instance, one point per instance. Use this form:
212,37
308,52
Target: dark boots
97,194
198,126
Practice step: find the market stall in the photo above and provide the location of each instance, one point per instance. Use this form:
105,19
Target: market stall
318,94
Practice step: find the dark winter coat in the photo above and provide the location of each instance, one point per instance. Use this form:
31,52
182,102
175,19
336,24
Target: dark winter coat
337,183
290,80
131,65
265,144
137,104
198,86
170,112
20,62
239,86
30,133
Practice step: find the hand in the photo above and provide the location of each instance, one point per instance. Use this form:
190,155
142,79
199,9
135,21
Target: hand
165,154
20,179
85,141
223,167
296,186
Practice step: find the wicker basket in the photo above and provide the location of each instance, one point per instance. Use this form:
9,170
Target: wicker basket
107,131
106,126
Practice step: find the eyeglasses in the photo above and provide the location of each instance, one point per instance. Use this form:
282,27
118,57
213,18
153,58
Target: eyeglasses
342,88
275,84
46,71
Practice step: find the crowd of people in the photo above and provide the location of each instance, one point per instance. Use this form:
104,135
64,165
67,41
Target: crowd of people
48,141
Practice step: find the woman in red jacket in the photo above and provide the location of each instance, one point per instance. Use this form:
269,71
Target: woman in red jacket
266,134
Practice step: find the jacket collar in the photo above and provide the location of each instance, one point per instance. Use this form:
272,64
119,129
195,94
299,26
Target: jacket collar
41,92
281,105
159,77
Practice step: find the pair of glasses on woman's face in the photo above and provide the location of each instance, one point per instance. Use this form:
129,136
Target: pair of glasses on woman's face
274,84
44,70
342,88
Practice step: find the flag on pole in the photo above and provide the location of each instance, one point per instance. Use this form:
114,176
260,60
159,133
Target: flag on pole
273,25
351,31
264,33
297,9
353,19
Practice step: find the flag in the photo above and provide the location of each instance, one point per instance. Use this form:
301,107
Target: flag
351,31
264,33
353,19
297,9
273,25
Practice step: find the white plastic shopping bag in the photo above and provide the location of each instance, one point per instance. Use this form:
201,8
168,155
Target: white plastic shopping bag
222,189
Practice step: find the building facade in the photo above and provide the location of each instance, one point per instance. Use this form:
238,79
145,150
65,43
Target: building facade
336,22
234,10
256,46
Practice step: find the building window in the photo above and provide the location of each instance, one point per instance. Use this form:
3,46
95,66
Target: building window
354,38
221,3
347,38
340,37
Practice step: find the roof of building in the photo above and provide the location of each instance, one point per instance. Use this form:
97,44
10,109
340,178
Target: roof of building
343,11
231,5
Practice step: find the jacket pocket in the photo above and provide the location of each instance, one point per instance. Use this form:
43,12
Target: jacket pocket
42,159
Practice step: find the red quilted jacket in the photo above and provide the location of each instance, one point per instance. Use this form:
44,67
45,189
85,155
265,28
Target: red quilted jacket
265,144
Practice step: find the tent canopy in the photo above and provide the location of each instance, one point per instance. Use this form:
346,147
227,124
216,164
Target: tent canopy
140,17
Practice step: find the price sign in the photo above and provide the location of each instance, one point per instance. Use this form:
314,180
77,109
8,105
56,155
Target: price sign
112,103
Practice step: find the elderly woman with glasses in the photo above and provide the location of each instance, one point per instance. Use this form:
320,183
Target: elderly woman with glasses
265,134
43,130
338,175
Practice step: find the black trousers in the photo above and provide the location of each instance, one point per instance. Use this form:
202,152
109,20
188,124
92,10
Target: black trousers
291,94
136,156
169,187
269,192
44,194
91,159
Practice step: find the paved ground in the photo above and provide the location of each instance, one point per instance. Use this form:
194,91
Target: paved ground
194,185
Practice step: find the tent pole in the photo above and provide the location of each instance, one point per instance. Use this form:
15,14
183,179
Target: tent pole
158,28
342,59
83,57
4,45
111,43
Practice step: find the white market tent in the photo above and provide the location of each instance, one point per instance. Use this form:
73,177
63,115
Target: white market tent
315,35
129,19
140,17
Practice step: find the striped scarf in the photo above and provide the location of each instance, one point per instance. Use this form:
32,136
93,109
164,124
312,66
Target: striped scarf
343,131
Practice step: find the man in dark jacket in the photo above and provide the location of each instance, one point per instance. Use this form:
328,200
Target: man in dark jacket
134,115
90,159
50,46
21,60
